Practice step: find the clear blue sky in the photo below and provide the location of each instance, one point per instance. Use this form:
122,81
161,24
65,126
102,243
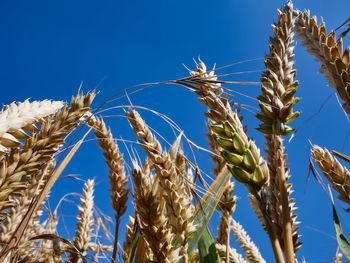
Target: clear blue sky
47,48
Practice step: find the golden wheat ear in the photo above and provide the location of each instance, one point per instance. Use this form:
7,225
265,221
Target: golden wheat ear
245,242
329,51
179,207
336,174
39,148
153,223
277,103
116,173
20,116
84,229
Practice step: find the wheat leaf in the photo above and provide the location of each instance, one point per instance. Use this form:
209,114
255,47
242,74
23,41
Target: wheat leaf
206,248
343,242
206,208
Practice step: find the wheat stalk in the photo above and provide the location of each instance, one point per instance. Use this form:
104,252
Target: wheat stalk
117,178
179,207
327,50
276,103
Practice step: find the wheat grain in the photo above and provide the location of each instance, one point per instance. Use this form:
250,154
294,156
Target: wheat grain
130,234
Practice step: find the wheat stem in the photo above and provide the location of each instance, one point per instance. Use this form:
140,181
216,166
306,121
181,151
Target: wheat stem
117,178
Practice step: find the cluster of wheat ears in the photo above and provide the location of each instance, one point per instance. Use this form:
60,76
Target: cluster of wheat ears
170,219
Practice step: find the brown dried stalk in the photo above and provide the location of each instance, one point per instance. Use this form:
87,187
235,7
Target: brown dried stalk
117,178
151,220
327,50
336,174
178,205
251,250
83,232
39,148
276,102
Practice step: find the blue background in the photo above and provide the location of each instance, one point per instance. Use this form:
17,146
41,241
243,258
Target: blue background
47,48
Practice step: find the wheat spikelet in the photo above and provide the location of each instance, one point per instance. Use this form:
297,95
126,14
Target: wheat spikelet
336,174
151,220
179,207
276,103
83,233
129,238
327,50
39,148
251,250
20,116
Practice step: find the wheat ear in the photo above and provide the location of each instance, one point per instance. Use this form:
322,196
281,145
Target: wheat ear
327,50
234,256
117,178
179,207
335,173
227,202
40,148
151,220
20,116
130,234
251,250
45,250
276,103
240,153
83,232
